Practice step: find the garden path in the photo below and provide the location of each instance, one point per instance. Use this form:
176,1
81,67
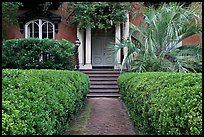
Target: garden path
102,116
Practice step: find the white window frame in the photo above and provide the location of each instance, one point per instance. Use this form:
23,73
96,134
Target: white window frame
40,23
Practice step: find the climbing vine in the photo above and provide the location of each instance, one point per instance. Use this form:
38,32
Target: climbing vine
102,15
9,14
9,11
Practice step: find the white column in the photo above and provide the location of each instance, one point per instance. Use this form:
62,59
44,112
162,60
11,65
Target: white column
26,31
81,48
88,49
40,29
53,30
117,40
126,34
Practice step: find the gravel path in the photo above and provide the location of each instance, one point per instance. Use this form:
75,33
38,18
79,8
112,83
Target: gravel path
109,117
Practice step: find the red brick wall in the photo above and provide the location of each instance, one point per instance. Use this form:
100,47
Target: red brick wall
13,31
137,18
193,40
66,31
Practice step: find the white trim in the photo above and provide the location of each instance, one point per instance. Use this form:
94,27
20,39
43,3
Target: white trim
33,32
26,31
88,64
47,30
81,47
40,28
126,34
53,30
117,40
40,25
84,63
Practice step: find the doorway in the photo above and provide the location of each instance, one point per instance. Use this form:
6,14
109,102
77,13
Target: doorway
102,55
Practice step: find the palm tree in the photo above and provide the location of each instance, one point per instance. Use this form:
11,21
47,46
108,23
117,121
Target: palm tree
155,44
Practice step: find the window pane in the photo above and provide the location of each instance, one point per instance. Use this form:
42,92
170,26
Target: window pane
36,30
44,27
33,30
50,35
46,30
29,33
50,28
50,31
44,35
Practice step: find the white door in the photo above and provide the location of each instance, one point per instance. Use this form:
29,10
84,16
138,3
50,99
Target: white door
101,51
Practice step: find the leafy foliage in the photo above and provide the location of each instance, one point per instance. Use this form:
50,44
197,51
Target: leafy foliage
163,103
34,53
102,15
155,44
9,10
41,102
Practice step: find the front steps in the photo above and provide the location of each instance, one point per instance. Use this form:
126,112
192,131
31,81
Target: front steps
103,82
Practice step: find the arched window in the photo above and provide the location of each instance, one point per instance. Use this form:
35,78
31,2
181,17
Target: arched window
39,29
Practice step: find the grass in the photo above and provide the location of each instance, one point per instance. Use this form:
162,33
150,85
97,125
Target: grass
78,126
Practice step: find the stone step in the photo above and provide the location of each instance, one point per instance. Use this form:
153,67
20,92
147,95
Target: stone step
103,91
101,72
103,78
93,82
104,87
103,82
104,68
103,75
104,95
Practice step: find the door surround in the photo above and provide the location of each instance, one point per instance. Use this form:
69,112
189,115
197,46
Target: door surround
85,55
102,55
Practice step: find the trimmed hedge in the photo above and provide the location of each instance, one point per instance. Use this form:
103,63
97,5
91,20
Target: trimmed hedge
162,103
26,54
41,102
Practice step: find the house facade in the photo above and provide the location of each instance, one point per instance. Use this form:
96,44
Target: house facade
94,50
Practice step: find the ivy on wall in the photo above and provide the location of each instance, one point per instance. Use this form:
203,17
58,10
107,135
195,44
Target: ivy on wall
101,15
9,14
9,11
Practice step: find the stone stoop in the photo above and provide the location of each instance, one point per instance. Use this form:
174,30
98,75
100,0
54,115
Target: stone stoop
103,82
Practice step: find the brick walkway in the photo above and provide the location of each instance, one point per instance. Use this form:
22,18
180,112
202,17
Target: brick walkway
109,117
102,116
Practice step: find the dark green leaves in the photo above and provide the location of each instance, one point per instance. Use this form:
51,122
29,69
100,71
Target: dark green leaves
9,14
162,103
102,15
41,102
153,44
25,54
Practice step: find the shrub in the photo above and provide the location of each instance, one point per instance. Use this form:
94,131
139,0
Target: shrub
41,102
34,53
163,103
155,44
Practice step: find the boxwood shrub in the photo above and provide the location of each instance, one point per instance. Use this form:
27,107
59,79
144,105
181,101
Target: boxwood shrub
41,102
161,103
34,53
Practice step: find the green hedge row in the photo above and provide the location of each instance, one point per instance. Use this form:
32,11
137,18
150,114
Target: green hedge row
41,102
34,53
163,103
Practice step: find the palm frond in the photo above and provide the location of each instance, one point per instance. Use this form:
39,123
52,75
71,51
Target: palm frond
155,44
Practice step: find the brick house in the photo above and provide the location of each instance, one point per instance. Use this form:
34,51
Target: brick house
54,25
